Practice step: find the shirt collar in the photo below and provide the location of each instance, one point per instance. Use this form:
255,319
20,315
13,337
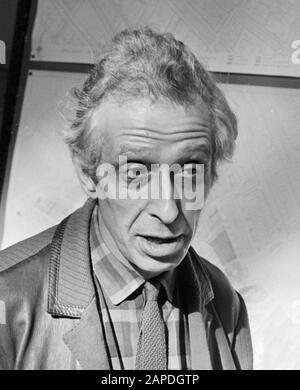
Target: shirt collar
118,277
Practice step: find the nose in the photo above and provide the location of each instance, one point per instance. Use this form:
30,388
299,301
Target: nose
164,207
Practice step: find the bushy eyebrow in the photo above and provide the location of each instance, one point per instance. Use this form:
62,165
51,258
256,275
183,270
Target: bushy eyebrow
130,152
126,149
140,153
204,148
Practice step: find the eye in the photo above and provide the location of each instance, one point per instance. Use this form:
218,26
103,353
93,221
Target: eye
136,172
192,169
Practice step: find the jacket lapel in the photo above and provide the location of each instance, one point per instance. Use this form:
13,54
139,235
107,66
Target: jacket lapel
71,289
223,344
199,297
70,277
200,353
86,340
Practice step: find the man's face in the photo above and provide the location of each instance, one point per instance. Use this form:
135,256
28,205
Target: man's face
152,234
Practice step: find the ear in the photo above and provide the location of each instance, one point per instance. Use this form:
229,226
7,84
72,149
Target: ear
86,182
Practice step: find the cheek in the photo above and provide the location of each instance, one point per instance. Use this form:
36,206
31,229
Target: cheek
123,213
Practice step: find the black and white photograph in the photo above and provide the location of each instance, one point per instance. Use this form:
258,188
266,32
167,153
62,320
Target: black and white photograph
150,187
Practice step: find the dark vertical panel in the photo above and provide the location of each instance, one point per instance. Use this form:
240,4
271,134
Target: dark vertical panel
15,87
8,9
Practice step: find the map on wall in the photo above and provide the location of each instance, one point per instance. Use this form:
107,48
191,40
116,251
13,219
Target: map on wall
252,219
237,36
250,225
42,184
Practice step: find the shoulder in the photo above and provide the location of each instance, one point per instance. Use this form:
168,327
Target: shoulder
25,249
23,291
26,279
23,267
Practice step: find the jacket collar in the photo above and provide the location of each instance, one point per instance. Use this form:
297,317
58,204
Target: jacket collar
71,286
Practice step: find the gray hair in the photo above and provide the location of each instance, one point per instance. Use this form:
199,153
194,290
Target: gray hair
141,63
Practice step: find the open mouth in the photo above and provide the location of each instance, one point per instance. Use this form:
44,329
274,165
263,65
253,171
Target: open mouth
159,240
161,246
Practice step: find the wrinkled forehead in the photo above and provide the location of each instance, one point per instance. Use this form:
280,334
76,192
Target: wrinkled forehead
144,128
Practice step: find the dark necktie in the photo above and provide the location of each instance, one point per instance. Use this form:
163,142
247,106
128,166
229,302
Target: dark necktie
151,349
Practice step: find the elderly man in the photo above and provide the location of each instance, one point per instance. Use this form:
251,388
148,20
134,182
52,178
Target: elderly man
116,285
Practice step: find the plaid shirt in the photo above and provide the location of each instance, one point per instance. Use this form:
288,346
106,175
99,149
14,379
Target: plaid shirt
121,300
